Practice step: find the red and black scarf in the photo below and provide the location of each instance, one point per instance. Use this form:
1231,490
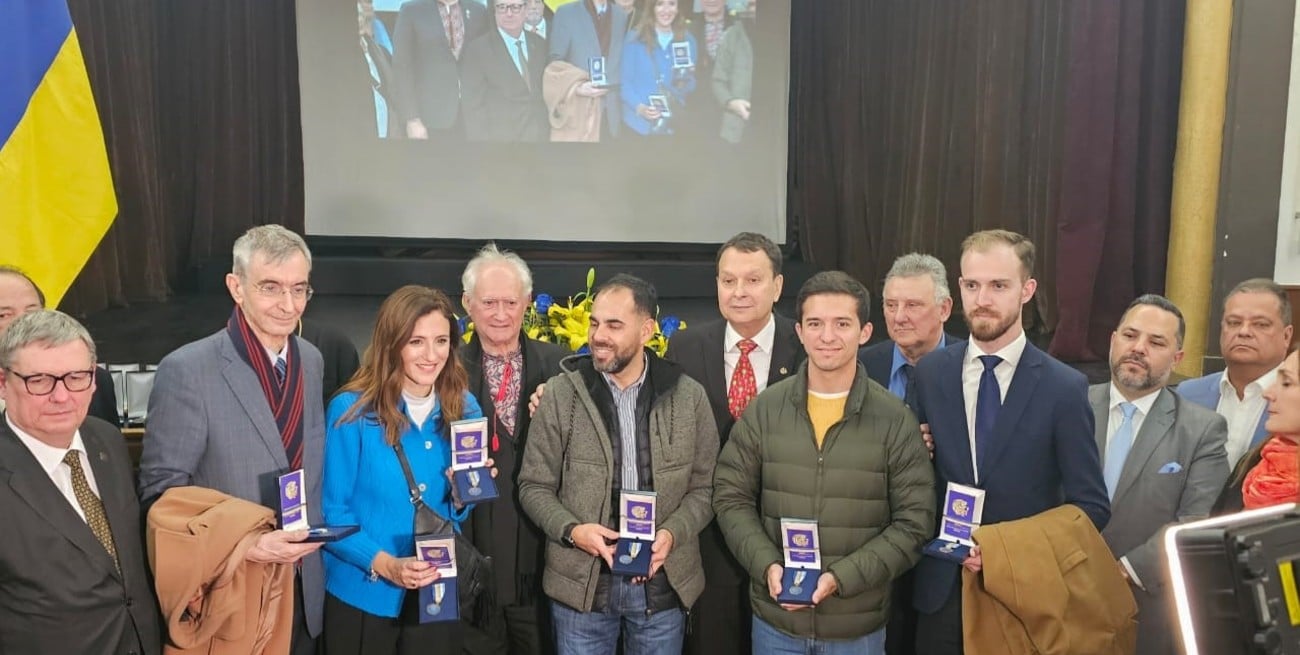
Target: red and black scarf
286,400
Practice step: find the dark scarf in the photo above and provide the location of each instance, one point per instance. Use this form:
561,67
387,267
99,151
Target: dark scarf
286,400
604,24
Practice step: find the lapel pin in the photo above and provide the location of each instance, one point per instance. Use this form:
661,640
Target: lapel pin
784,370
103,456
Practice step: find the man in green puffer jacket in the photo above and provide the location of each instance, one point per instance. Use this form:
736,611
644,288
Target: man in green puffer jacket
831,445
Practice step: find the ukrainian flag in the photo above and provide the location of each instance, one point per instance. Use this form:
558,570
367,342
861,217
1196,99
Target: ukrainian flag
56,191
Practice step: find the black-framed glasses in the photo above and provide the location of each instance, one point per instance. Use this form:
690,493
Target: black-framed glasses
42,384
510,9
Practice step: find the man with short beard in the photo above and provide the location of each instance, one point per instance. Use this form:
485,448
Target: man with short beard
1006,418
1163,459
620,419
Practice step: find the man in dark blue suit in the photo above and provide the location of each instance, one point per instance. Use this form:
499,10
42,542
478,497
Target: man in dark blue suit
1005,417
917,303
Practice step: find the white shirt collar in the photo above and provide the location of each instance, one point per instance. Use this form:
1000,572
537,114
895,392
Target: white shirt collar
1010,353
1144,403
48,456
765,337
1255,388
283,354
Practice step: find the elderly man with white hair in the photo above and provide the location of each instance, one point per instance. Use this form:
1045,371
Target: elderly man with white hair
505,367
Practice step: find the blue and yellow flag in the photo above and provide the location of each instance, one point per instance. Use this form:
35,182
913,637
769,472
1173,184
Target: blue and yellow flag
56,191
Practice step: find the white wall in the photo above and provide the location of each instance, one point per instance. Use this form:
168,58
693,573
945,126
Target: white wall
1286,269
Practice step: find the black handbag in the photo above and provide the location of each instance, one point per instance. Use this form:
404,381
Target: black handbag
473,569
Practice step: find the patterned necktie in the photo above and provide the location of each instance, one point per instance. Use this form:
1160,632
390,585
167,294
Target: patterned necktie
743,385
281,369
987,403
1117,449
91,505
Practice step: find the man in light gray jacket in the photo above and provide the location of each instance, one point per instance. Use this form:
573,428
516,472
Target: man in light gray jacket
620,419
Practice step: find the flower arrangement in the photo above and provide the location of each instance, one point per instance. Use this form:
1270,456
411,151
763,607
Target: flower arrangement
566,323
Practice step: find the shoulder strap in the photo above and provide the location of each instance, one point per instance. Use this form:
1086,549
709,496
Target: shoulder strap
413,487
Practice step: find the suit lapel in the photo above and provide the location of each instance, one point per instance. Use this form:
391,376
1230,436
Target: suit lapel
109,493
1099,399
1155,429
785,351
30,483
1023,384
715,368
951,396
248,391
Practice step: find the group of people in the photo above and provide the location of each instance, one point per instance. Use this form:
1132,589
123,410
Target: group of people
591,70
749,420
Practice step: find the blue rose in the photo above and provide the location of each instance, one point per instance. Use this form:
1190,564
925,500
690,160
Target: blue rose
584,350
668,325
543,303
462,323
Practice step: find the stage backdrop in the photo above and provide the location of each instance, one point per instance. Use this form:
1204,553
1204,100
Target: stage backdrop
482,163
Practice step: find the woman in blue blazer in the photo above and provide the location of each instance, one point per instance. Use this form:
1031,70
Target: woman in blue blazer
648,69
410,386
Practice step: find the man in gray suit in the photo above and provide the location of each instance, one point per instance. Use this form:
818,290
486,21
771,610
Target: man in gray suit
1163,457
235,410
592,28
72,559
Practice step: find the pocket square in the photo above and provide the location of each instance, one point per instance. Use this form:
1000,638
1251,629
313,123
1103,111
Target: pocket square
1171,467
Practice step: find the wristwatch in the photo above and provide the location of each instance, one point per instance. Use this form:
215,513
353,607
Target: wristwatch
566,537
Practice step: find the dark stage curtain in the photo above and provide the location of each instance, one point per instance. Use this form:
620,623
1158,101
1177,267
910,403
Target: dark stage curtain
199,102
915,123
912,124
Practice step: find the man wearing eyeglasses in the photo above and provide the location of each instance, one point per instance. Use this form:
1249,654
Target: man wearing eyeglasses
234,410
501,80
19,295
73,563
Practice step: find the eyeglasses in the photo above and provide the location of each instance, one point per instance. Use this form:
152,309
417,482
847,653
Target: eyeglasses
510,9
42,384
275,290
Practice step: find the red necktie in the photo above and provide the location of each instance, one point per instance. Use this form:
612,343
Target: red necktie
743,385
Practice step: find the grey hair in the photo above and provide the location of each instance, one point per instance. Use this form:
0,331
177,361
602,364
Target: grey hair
491,254
48,327
1265,286
277,242
915,264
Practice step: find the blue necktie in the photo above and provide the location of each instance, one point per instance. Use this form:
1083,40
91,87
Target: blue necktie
1117,449
281,368
909,387
987,403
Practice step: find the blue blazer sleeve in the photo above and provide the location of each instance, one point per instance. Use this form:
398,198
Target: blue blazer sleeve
1076,453
338,482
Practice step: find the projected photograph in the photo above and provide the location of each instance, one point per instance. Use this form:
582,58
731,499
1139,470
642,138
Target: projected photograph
533,71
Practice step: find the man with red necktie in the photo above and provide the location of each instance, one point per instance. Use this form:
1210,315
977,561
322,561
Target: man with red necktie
734,359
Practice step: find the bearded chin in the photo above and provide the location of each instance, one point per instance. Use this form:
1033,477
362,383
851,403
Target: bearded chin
988,329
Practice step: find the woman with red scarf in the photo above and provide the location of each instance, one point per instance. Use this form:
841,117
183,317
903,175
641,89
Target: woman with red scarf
1270,473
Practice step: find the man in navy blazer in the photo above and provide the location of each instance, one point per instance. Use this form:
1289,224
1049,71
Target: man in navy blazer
1005,417
917,303
1253,339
